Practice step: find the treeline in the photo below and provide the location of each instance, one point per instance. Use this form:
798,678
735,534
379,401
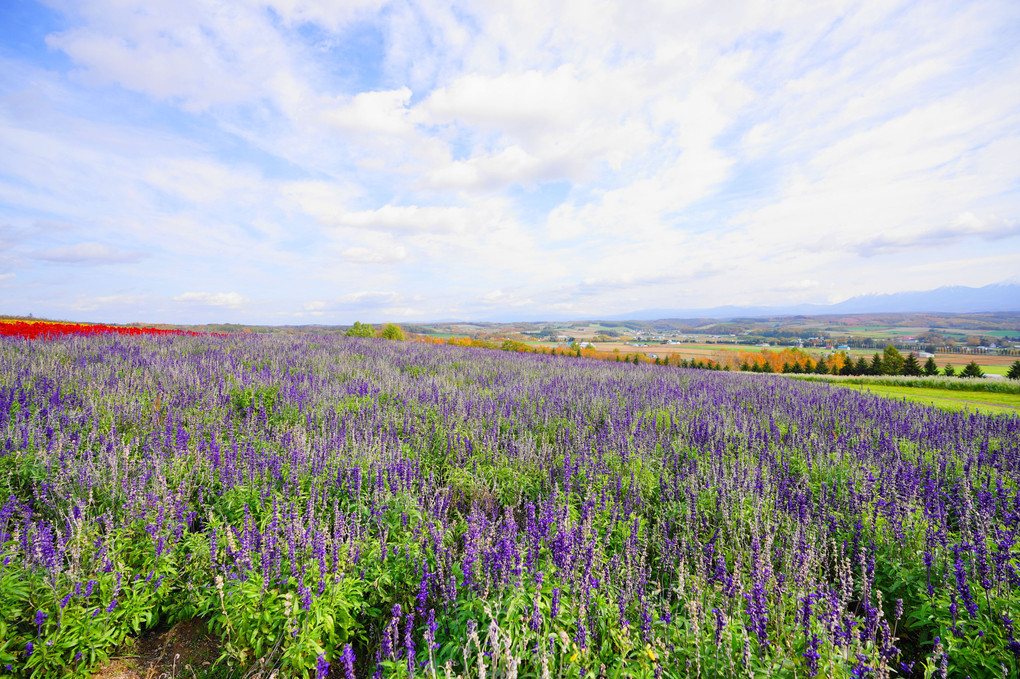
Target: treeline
791,361
889,362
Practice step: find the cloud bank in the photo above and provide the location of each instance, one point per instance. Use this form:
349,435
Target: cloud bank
395,161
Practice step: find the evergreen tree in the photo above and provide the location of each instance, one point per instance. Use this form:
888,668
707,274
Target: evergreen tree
821,368
862,367
892,361
949,370
930,367
876,367
848,368
637,359
767,368
1014,371
972,370
912,367
796,369
787,368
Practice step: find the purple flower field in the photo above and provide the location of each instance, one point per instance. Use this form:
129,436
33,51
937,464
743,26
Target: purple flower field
341,507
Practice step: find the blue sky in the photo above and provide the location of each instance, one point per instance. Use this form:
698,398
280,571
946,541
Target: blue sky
311,161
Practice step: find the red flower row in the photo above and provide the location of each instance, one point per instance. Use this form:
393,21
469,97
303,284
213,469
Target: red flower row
48,330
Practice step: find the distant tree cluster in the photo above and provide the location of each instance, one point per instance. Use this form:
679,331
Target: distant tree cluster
390,331
360,329
889,362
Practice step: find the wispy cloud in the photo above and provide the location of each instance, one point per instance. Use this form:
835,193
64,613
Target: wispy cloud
89,254
231,300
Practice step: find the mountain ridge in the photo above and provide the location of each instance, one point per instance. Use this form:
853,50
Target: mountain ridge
947,299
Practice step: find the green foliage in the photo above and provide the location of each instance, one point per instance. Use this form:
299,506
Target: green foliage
392,332
972,369
892,361
911,366
246,399
1014,371
360,329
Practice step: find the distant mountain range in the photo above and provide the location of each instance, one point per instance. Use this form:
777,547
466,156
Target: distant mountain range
955,299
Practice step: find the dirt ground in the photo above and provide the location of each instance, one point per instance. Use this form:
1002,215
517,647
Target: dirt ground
961,360
181,651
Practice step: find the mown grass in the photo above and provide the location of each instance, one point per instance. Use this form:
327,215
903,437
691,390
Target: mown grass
978,401
938,383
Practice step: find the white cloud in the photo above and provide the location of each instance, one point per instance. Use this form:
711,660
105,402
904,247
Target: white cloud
203,181
373,112
231,300
89,254
198,54
364,255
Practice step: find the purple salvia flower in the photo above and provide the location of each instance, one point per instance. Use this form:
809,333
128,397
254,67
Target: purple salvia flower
348,662
40,618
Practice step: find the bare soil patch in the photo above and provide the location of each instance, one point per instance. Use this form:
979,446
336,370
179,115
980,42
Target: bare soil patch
181,650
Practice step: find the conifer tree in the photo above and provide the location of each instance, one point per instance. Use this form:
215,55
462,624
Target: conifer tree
931,368
892,361
876,367
972,369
